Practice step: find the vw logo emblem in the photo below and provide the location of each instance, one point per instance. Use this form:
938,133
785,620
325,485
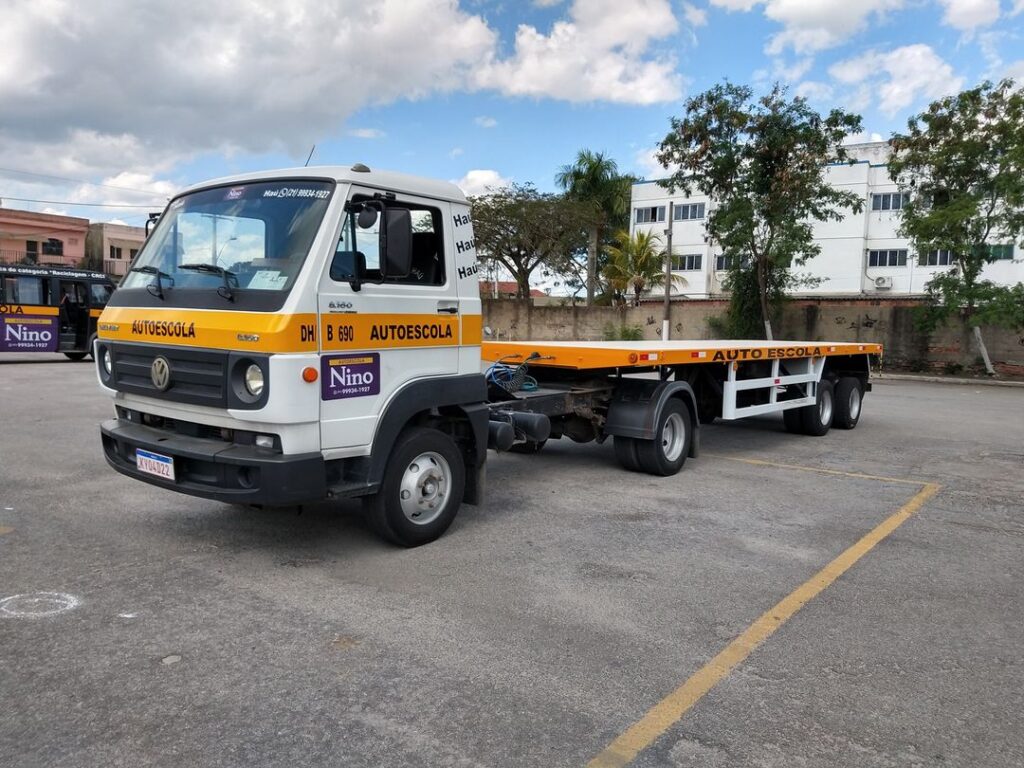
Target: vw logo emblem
160,373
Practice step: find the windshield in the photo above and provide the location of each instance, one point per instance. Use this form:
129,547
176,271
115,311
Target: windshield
249,237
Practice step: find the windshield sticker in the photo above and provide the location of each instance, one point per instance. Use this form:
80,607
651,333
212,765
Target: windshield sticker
351,376
299,192
235,193
268,280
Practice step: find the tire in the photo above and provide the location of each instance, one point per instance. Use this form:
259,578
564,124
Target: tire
427,468
76,356
849,402
817,418
794,420
625,452
666,453
530,446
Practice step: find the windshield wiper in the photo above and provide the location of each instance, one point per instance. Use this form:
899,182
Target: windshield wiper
212,269
156,288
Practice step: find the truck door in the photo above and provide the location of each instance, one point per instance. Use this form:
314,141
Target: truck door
376,340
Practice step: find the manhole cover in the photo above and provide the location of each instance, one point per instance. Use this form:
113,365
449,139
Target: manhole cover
37,605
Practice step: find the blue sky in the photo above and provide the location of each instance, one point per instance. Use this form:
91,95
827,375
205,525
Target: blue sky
137,99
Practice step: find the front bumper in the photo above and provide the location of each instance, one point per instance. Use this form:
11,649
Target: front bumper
213,469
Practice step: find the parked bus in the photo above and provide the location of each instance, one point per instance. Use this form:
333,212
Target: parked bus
51,309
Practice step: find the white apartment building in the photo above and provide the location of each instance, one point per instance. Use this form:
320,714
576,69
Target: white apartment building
860,255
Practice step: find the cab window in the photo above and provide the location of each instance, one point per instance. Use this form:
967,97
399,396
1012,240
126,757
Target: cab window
358,249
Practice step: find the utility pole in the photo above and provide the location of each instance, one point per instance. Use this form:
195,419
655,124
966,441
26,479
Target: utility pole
667,322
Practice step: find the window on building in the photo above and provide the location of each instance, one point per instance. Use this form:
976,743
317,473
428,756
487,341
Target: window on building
132,253
723,262
688,211
53,247
651,214
939,258
889,201
31,251
1001,252
115,252
889,258
686,262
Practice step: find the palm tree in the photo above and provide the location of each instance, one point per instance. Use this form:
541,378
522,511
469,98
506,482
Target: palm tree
595,179
636,264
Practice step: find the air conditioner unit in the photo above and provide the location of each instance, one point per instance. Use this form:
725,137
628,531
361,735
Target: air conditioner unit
883,283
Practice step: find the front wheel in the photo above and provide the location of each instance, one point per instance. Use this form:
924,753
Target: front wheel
422,488
666,453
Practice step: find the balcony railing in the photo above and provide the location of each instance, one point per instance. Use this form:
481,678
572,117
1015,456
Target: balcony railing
40,259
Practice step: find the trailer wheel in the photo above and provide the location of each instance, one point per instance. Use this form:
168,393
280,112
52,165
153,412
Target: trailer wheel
625,452
794,420
817,418
666,453
422,488
849,399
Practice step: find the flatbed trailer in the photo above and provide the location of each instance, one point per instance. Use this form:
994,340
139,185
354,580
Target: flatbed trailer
632,391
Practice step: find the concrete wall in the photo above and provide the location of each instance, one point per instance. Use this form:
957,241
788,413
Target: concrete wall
890,323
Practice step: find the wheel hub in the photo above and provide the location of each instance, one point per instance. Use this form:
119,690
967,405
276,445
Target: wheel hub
424,488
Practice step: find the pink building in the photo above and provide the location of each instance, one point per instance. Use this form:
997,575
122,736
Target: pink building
44,238
114,246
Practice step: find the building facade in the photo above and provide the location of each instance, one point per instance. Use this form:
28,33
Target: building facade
862,254
114,246
41,238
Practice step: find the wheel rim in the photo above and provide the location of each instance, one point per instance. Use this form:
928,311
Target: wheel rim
854,405
673,437
423,493
825,407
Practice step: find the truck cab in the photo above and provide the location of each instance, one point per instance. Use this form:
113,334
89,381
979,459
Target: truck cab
304,334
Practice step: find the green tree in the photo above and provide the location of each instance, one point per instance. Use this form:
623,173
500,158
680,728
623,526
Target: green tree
522,229
962,162
594,180
762,162
636,264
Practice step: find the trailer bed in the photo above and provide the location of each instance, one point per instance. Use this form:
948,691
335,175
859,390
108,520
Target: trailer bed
593,355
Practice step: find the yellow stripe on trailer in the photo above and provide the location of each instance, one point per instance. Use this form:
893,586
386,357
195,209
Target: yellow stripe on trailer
583,355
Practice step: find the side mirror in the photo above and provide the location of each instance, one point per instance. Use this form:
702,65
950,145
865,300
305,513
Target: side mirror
396,243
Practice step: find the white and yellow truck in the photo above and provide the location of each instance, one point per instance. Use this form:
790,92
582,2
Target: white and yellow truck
315,333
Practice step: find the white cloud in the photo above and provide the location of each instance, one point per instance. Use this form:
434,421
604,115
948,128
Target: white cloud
696,17
863,137
898,78
1016,71
600,53
646,162
481,181
484,121
546,3
814,90
792,72
455,152
968,15
366,133
1018,7
810,26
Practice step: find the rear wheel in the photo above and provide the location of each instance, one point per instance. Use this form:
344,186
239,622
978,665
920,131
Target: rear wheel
422,488
849,400
817,418
625,452
76,356
666,453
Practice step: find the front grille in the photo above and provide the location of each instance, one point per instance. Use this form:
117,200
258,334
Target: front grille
197,377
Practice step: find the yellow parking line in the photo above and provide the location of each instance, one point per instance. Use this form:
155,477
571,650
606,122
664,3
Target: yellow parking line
671,709
4,529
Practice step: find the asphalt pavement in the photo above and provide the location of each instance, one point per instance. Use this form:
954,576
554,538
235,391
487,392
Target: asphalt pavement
139,627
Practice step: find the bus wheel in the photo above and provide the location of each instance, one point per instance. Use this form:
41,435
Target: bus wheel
422,489
625,452
666,453
817,418
849,399
76,356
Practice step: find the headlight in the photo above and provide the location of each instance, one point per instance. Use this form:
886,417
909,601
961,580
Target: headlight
254,380
108,364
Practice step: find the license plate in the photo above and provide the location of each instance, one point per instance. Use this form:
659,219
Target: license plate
154,464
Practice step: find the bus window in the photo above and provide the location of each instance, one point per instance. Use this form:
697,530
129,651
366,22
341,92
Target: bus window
99,294
23,290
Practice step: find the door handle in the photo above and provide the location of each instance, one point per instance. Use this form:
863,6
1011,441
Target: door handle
450,309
